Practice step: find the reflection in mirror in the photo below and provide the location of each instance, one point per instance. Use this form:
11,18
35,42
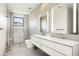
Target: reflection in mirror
44,22
62,18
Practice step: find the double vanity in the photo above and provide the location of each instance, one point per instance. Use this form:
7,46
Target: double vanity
56,46
62,23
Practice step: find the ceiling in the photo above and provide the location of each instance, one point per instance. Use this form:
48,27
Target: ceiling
68,5
23,8
27,8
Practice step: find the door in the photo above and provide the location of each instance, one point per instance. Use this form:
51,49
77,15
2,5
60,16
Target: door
18,29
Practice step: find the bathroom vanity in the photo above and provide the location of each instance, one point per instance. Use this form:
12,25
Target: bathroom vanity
56,46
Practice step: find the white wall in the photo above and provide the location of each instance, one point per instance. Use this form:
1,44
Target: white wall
3,25
33,25
2,13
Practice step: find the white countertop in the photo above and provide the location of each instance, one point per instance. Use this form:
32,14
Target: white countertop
59,40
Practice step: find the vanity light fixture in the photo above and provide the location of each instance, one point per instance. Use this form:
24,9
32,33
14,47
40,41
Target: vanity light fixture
74,18
52,21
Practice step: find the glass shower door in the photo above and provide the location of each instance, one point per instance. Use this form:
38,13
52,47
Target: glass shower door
18,28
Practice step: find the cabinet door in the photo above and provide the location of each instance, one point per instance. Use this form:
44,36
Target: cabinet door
60,20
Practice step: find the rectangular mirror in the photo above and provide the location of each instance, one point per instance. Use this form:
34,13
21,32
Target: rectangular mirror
44,22
62,18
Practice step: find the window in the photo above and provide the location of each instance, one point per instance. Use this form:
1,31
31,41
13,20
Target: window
18,21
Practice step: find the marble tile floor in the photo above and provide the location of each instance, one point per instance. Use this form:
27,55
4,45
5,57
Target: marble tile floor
20,49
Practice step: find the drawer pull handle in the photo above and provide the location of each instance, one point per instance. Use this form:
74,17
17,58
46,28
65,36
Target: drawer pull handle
59,29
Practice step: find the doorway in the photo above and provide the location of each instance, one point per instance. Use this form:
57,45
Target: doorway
18,29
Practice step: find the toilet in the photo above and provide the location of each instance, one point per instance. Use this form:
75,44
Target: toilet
29,43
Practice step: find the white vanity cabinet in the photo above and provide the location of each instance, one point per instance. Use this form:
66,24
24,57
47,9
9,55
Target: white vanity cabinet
55,46
62,19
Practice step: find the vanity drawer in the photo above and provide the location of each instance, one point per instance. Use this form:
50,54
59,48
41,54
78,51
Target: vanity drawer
46,49
50,51
63,49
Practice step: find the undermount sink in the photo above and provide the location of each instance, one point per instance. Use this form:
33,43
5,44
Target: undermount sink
46,34
43,34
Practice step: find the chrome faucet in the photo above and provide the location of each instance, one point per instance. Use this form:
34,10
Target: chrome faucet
61,36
